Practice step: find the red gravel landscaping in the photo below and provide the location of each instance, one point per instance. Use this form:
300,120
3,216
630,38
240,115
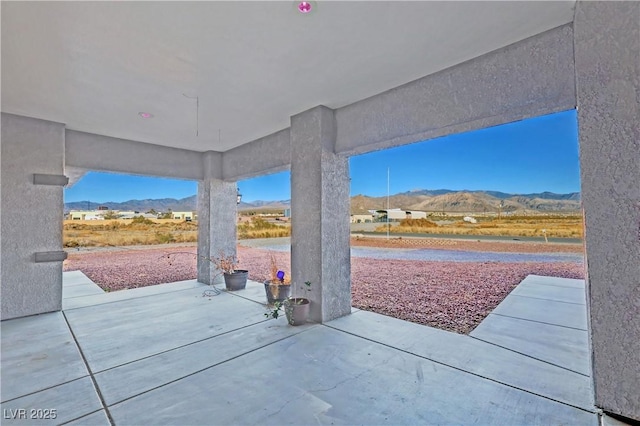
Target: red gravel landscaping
453,296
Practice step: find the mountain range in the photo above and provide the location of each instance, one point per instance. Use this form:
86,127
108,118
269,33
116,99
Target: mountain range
425,200
470,201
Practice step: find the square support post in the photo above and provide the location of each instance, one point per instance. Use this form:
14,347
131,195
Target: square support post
217,216
320,186
607,59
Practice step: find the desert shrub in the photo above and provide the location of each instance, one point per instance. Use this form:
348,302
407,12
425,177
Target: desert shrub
258,224
110,215
184,226
139,227
260,228
142,220
112,226
71,243
165,238
486,225
417,223
186,237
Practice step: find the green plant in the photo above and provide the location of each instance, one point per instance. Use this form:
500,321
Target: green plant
110,215
275,311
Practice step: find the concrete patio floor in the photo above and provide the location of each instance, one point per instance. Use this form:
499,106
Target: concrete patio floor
167,355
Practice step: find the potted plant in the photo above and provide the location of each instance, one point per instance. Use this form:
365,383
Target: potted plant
234,279
296,309
278,286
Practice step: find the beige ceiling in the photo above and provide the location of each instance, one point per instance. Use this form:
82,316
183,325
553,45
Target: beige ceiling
95,65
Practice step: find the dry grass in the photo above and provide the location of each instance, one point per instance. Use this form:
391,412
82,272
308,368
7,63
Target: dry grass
260,228
123,232
126,232
517,226
162,231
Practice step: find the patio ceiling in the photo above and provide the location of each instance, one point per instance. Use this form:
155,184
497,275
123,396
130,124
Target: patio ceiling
94,66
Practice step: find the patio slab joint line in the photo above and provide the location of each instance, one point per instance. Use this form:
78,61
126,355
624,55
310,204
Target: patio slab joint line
81,417
204,369
528,356
539,322
84,295
553,285
44,389
182,346
548,300
128,298
222,289
467,372
93,379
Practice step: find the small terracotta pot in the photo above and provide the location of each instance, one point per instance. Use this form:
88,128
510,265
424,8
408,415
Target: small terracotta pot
297,310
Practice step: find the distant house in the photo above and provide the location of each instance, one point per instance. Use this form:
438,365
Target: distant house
396,215
132,214
414,214
187,216
361,216
85,215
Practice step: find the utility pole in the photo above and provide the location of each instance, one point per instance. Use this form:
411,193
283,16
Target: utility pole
388,175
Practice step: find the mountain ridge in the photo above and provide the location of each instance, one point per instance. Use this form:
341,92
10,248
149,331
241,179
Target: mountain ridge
423,199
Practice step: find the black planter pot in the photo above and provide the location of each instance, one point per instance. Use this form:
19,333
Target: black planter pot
276,292
237,280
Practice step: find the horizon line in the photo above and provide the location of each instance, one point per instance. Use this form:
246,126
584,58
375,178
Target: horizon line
352,195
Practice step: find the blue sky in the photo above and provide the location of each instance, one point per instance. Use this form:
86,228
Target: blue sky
534,155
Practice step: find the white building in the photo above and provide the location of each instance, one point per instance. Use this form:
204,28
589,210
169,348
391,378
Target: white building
85,215
396,215
361,218
188,216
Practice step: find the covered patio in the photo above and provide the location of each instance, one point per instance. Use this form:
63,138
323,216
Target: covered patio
217,92
168,355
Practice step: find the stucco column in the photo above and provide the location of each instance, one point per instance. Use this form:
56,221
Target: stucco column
217,213
320,246
607,58
32,166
